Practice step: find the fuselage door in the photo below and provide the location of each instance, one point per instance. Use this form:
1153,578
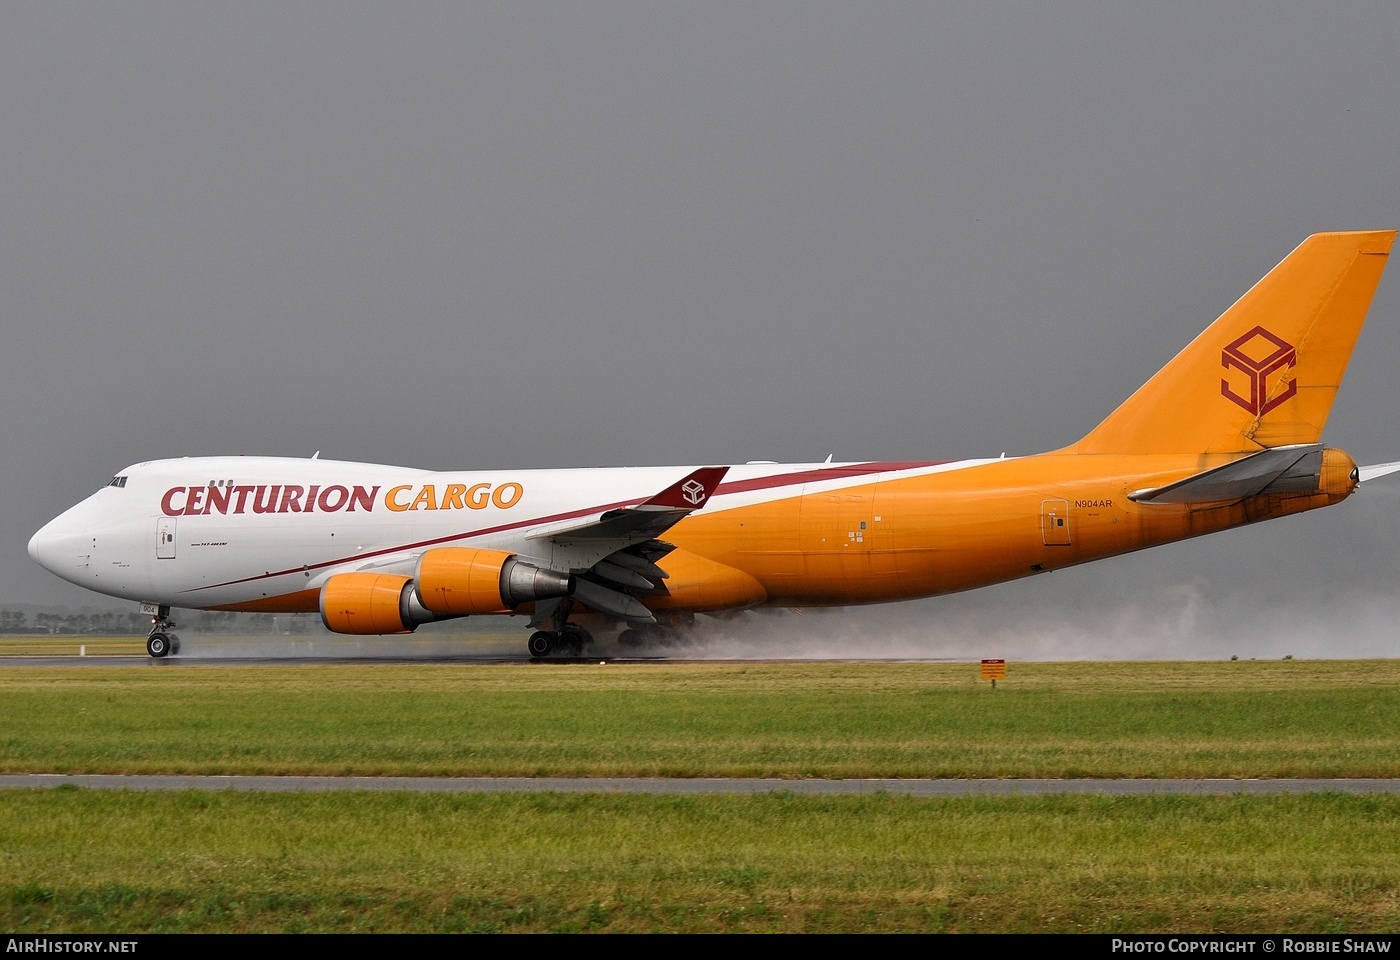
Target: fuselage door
165,538
1054,522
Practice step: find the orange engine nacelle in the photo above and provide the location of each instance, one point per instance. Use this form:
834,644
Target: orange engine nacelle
450,582
366,603
457,581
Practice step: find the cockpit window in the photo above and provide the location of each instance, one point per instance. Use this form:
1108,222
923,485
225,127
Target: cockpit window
117,482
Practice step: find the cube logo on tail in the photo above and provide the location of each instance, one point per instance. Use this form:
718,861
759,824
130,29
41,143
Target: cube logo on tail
693,491
1258,354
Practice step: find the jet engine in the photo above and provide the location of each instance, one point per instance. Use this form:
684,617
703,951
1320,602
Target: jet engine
365,603
450,582
456,581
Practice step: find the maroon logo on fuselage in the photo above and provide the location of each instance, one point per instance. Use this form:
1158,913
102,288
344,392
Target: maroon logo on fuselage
1257,355
277,498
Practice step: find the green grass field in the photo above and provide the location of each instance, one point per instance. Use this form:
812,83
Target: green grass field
77,860
71,646
80,861
1228,719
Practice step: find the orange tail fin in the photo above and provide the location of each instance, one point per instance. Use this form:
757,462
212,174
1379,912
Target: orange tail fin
1264,374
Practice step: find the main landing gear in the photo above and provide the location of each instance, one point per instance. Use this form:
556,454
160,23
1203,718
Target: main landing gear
668,631
566,638
161,642
569,641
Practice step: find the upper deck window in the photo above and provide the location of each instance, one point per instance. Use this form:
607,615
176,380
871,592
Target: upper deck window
117,482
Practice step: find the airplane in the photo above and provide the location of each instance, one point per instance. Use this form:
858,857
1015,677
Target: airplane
1227,433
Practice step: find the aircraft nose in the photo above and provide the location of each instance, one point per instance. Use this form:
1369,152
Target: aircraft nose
55,546
44,545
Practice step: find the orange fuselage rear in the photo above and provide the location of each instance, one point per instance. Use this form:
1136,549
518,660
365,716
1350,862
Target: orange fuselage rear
927,535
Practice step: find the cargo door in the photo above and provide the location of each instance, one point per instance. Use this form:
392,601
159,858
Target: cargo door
1054,522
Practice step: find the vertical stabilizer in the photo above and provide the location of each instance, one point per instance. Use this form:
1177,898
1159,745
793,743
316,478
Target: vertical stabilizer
1264,374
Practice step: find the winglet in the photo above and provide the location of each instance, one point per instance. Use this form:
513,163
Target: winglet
688,493
651,517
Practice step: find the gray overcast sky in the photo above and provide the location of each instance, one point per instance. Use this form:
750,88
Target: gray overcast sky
515,235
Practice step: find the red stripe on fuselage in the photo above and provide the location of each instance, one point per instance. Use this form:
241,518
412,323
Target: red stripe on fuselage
734,486
826,473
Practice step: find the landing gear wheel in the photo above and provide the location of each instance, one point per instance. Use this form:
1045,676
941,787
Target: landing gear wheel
158,645
573,637
631,637
540,645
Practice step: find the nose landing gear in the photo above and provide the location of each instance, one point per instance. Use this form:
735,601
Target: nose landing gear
161,642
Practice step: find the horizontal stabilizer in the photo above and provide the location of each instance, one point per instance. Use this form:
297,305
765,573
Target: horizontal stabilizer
1280,470
1376,470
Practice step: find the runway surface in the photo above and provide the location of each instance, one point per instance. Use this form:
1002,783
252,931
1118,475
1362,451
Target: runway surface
475,657
659,785
288,661
423,647
237,651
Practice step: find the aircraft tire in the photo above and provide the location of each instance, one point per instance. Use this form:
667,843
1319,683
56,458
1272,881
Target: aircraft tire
174,643
631,637
540,645
573,637
158,645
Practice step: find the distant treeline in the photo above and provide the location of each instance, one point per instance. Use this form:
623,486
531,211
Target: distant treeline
126,624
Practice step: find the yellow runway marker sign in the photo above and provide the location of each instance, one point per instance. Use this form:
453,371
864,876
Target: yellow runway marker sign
994,670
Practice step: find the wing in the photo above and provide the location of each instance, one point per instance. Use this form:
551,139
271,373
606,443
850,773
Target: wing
614,554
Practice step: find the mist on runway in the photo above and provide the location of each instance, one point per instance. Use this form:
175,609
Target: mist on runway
1179,621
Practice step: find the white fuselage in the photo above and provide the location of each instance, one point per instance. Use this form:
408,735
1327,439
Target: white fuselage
222,531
